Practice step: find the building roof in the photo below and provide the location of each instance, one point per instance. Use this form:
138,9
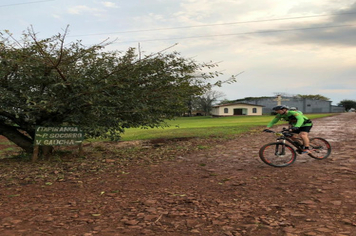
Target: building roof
239,103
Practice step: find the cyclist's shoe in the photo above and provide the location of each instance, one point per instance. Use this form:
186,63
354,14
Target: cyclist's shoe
306,150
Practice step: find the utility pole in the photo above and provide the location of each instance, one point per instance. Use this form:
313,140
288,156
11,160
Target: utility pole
139,51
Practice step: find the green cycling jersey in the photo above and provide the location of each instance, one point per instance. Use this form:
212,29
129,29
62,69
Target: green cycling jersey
295,118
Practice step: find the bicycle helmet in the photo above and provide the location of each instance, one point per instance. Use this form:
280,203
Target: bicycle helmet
293,108
277,108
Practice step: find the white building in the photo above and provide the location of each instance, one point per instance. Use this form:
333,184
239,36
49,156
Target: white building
237,109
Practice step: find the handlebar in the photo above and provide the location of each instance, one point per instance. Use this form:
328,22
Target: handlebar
286,132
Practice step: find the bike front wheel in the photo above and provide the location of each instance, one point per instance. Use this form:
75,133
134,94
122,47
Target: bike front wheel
277,154
319,148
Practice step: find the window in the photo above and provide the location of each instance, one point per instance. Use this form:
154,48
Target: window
226,110
254,110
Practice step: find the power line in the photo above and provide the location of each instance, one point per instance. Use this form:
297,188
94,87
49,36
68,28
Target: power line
209,25
23,3
252,32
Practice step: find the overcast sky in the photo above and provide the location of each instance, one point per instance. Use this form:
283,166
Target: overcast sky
292,47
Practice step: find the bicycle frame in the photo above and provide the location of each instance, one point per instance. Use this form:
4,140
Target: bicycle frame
287,136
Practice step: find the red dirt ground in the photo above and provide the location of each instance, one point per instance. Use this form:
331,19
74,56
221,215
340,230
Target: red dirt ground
224,190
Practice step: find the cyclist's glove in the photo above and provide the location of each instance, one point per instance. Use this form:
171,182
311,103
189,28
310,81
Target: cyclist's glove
295,128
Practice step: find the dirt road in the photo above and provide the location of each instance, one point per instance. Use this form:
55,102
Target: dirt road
225,190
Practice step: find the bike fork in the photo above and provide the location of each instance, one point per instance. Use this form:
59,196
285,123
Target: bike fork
282,150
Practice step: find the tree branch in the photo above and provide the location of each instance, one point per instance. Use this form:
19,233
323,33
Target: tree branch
46,56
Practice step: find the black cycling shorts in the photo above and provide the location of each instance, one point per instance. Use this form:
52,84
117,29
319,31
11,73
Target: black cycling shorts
302,129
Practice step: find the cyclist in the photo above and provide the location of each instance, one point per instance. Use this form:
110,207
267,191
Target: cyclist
295,109
300,124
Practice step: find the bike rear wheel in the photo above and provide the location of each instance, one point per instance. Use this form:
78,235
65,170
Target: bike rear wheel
319,148
277,154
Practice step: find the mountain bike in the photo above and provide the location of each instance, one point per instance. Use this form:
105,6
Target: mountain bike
281,154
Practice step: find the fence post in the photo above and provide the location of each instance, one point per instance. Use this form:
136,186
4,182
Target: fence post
35,153
81,152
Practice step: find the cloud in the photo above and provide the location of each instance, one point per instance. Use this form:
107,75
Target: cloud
347,15
83,9
110,4
338,91
78,10
56,16
338,29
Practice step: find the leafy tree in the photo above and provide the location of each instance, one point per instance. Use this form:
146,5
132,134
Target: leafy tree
226,101
348,104
316,97
51,83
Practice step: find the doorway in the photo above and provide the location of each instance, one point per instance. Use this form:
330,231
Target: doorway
240,111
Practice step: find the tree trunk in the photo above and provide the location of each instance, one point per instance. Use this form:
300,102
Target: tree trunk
17,137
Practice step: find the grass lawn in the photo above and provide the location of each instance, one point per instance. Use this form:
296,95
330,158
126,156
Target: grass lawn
204,126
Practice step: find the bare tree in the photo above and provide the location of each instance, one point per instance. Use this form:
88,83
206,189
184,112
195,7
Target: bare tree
206,101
